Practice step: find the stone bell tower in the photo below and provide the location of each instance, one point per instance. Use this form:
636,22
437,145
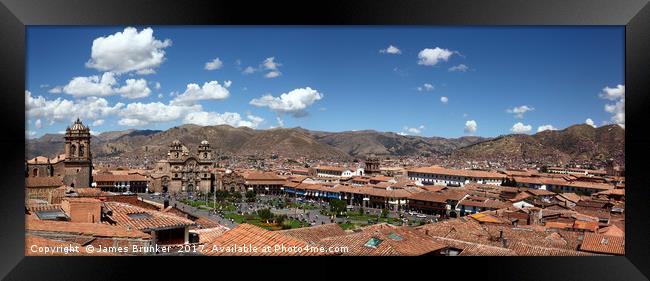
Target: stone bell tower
372,166
78,158
205,152
175,151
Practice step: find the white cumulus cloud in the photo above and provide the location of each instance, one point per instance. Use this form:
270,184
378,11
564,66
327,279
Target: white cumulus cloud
89,86
459,68
132,122
128,51
249,70
209,91
134,89
412,131
63,110
519,111
433,56
106,85
470,127
213,64
391,50
228,118
269,63
613,93
545,128
98,122
617,109
273,74
138,114
294,102
590,122
444,100
520,128
426,87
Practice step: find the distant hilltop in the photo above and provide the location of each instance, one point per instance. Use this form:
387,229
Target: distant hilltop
575,143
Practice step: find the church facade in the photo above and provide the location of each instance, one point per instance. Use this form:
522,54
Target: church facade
183,171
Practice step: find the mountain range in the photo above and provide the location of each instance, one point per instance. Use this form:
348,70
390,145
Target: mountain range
575,143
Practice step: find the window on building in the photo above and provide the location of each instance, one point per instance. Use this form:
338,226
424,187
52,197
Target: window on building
81,150
35,172
73,150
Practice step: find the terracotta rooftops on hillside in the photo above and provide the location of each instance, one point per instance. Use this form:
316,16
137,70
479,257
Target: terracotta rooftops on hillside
384,240
603,244
524,249
473,249
612,230
315,233
208,235
466,229
87,229
457,172
429,197
249,240
118,177
332,168
127,215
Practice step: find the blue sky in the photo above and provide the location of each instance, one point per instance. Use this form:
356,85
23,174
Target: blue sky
332,78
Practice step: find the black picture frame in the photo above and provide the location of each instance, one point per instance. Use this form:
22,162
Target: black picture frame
15,15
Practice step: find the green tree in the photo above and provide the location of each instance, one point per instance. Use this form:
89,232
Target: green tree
280,219
250,196
384,213
337,206
361,212
236,196
265,214
544,169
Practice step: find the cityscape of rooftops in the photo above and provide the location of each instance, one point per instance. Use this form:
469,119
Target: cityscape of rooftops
335,141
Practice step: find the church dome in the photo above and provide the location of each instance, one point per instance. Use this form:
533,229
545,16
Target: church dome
205,142
78,126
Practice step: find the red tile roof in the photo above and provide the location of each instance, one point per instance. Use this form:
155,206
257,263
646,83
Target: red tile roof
473,249
263,178
586,225
523,249
604,244
429,197
79,228
457,172
153,219
315,233
612,230
118,177
255,238
208,235
392,241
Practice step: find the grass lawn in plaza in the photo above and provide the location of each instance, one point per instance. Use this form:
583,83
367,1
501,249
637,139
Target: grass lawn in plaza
254,219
